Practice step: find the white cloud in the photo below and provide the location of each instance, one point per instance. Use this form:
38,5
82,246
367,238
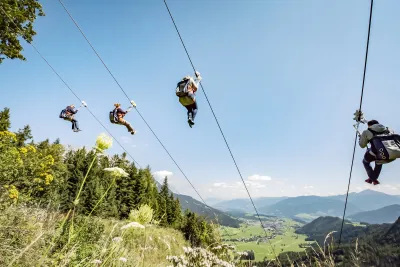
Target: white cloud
392,187
308,187
126,139
237,185
219,184
252,184
160,175
257,177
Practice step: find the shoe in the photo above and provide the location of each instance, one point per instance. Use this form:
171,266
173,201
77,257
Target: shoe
376,182
133,132
191,122
369,180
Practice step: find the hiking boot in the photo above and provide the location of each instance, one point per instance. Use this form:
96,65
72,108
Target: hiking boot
369,180
376,182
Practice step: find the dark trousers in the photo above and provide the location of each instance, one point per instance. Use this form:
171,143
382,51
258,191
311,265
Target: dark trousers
74,122
192,111
75,125
372,173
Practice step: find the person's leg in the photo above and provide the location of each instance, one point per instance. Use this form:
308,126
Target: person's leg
189,112
368,158
377,171
194,110
75,124
71,119
127,125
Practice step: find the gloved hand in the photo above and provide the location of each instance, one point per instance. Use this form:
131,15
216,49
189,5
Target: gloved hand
359,116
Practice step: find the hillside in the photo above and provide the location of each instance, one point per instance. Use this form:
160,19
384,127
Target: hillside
310,205
369,199
387,214
210,213
199,208
244,204
392,236
319,228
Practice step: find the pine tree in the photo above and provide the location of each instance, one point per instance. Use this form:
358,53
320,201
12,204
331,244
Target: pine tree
125,196
164,203
5,122
23,135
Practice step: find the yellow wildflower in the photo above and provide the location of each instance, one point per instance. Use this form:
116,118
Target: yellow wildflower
31,148
48,179
13,192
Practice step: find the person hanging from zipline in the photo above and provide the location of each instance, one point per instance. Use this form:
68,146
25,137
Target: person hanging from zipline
68,114
385,147
186,91
117,116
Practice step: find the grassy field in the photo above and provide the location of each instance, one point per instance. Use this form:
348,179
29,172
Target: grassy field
288,241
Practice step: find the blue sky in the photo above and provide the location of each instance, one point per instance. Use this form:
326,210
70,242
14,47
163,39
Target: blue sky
284,78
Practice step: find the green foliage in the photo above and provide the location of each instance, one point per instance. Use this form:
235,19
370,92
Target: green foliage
169,209
198,231
5,122
15,23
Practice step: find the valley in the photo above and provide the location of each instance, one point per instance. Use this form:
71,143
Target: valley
281,236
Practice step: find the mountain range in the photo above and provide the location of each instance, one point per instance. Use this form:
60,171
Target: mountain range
388,214
308,208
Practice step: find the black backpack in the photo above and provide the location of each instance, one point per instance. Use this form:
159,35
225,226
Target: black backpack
113,116
63,114
181,88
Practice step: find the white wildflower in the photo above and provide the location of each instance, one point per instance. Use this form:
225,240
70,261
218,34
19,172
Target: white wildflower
117,239
117,172
97,261
132,225
123,259
103,142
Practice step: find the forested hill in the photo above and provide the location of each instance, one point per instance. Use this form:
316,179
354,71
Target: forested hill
209,213
385,234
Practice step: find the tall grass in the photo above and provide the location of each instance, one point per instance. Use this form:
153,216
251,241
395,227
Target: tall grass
25,234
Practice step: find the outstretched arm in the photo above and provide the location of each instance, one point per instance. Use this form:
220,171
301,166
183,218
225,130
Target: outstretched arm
72,110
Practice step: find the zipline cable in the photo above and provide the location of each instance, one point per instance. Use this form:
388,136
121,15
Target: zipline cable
72,91
141,116
355,139
219,126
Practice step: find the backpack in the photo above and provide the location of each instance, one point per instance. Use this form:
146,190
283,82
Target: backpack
182,88
63,114
113,116
385,145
